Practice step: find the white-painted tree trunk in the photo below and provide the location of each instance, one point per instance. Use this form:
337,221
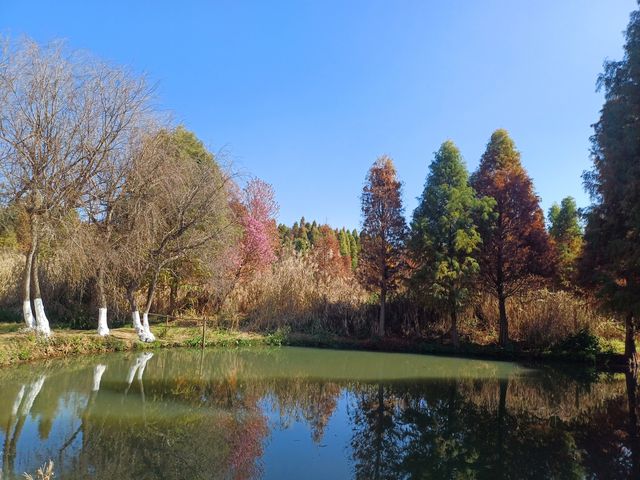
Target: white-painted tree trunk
138,366
132,373
98,371
28,315
137,325
149,337
103,327
143,364
42,322
32,394
16,403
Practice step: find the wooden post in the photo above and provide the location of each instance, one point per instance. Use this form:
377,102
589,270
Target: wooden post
204,326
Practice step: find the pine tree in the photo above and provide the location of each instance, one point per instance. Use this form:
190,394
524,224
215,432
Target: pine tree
515,243
345,251
353,248
444,236
566,233
611,260
383,233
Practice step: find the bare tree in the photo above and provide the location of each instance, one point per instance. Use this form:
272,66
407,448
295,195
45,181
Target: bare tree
184,210
61,116
115,187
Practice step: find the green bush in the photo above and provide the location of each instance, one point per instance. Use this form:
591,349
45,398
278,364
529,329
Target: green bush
583,344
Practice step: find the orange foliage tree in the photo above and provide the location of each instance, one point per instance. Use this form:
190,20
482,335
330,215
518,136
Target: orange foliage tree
383,233
515,244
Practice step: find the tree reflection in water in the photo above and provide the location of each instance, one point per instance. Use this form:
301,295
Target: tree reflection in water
185,414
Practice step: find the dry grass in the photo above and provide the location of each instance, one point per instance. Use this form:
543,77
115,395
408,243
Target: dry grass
43,473
295,293
540,318
10,269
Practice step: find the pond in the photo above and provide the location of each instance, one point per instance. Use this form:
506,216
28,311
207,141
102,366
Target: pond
313,414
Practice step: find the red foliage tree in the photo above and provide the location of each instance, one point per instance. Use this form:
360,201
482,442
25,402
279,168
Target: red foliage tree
327,253
383,233
515,244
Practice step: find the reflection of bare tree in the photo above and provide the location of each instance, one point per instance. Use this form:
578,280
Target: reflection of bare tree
20,410
138,367
98,371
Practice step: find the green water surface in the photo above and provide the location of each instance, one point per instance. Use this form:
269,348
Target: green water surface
280,413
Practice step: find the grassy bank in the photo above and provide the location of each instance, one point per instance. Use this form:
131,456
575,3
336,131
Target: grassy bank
603,356
17,346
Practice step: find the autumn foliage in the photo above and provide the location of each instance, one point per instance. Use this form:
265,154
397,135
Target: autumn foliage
515,244
383,232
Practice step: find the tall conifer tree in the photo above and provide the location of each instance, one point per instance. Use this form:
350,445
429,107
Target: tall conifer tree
515,243
383,232
611,261
566,232
444,236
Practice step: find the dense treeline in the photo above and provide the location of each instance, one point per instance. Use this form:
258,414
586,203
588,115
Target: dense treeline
107,206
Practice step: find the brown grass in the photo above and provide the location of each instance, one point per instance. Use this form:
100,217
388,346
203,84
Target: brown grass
539,318
43,473
295,293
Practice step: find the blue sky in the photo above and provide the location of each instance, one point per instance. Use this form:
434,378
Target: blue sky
306,94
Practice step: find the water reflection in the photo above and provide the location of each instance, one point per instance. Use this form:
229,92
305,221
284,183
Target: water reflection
314,414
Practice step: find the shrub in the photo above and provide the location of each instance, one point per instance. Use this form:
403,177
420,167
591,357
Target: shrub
541,318
297,294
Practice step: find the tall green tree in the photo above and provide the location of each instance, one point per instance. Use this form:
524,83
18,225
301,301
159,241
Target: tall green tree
353,248
566,232
383,232
444,236
345,250
611,260
515,244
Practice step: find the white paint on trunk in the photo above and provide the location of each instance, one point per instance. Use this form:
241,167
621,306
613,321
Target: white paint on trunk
143,363
149,337
138,366
103,328
98,371
132,373
28,315
42,322
135,318
17,402
32,394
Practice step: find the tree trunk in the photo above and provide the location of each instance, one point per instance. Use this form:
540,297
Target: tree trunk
150,337
383,305
634,442
455,339
173,295
502,412
42,322
26,289
98,371
103,327
630,341
7,465
379,429
504,325
135,313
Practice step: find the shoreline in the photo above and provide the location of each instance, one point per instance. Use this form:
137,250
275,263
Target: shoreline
21,347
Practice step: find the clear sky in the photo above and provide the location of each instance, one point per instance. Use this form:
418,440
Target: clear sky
306,94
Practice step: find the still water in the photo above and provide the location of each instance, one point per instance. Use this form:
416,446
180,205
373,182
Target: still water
313,414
